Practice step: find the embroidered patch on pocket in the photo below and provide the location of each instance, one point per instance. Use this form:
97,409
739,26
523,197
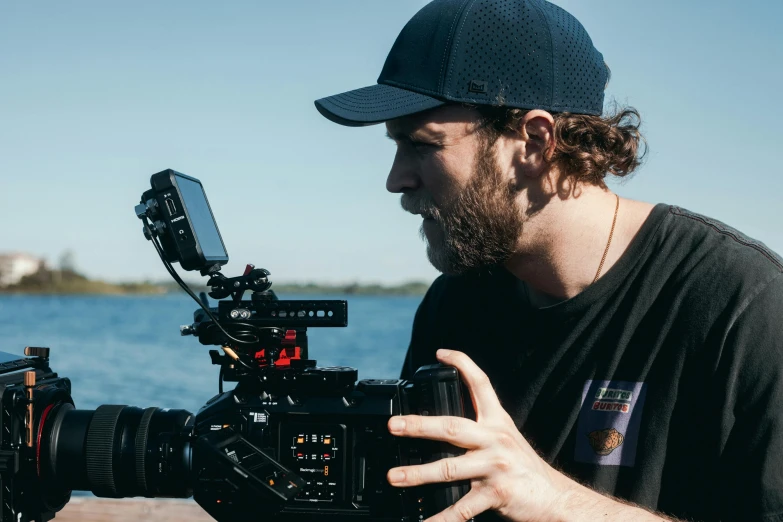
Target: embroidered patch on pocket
607,432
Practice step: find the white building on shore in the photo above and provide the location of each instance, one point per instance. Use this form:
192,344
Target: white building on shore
14,266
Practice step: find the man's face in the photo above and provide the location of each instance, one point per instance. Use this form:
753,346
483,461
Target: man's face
448,173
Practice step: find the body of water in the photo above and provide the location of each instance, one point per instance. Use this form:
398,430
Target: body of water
127,350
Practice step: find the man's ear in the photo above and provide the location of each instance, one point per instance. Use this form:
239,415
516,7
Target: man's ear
536,131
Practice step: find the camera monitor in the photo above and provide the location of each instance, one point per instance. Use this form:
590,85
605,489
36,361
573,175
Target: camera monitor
183,219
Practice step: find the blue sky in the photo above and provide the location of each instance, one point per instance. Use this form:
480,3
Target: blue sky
96,96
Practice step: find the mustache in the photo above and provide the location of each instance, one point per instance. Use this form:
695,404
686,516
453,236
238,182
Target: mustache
420,202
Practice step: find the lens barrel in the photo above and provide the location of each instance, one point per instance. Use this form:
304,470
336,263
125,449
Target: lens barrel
118,451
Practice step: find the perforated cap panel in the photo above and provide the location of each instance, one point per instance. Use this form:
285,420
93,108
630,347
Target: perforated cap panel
503,48
527,54
580,74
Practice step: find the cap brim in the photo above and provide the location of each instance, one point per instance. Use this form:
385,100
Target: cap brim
374,104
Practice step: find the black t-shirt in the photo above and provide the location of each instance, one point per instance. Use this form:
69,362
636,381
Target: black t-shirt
662,383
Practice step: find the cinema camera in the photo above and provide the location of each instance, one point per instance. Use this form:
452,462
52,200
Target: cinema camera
291,442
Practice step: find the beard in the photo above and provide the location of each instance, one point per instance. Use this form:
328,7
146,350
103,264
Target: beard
476,229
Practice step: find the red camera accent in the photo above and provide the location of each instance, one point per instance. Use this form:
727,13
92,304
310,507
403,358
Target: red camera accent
289,350
38,438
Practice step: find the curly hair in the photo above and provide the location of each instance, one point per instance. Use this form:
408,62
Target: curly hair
586,147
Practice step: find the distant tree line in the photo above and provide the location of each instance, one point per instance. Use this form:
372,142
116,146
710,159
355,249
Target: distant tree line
69,281
59,281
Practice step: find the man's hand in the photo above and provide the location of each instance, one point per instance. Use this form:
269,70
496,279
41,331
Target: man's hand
505,473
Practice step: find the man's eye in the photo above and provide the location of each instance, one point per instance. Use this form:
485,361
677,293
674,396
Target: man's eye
422,145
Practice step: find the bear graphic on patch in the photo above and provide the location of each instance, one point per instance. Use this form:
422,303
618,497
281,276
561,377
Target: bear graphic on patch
605,441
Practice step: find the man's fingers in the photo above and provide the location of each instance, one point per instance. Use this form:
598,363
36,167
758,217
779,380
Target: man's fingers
461,432
450,469
469,506
481,392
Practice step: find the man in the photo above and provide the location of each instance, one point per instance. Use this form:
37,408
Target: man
638,348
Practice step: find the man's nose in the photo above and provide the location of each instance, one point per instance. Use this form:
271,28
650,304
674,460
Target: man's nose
402,176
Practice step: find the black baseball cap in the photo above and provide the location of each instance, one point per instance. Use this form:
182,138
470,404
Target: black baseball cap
528,54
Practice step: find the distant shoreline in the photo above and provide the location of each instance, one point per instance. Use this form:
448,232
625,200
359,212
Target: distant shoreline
134,289
70,282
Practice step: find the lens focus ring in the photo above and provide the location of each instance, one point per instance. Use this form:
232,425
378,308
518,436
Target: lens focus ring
99,450
142,435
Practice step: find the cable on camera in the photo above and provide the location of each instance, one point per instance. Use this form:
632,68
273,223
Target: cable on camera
184,286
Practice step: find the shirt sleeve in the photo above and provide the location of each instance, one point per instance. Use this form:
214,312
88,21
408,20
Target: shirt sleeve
750,481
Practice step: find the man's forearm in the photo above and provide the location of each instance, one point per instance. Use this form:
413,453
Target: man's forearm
580,503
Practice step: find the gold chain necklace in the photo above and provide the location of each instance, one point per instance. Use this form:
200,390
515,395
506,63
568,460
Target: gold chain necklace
611,233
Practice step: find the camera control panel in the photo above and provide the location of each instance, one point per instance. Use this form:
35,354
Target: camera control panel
316,453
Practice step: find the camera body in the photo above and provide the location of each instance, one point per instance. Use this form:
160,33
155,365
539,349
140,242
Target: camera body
291,442
335,438
318,424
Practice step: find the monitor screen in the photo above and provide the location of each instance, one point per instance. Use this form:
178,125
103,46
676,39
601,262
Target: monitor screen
201,218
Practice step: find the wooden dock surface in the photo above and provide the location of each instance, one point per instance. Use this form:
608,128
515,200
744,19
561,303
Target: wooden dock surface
87,509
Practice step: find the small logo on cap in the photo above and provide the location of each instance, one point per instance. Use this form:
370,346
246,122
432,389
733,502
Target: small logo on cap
478,87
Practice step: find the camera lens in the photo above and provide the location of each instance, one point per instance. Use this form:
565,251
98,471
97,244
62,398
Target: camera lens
117,451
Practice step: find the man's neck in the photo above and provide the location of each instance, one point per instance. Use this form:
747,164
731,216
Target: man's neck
563,243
